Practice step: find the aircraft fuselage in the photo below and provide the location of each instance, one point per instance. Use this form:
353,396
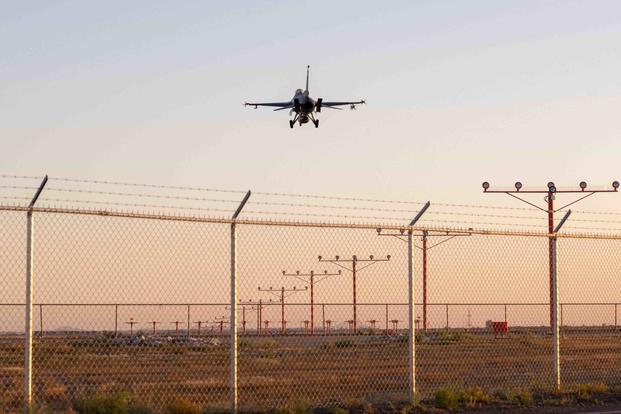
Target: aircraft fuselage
303,105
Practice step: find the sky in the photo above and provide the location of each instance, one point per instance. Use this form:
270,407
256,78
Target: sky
458,93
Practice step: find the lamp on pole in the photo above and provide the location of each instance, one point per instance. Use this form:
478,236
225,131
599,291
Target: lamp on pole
282,294
550,195
311,276
354,269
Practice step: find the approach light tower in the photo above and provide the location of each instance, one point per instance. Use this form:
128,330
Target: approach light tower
447,235
282,295
311,275
354,270
549,198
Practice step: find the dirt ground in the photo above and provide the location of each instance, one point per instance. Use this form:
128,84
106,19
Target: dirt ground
278,371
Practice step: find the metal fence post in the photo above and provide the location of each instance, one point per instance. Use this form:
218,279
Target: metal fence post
555,307
555,319
411,326
233,307
28,319
28,327
233,317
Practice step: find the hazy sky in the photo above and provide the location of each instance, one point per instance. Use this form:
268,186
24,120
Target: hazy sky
457,92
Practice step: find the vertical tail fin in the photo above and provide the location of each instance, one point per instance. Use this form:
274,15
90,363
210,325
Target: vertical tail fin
307,71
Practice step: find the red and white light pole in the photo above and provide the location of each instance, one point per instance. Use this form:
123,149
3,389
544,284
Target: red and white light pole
153,324
199,324
354,270
131,324
550,192
425,247
282,295
311,275
177,327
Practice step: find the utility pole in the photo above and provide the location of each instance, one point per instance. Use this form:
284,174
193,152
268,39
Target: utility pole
446,235
354,269
549,198
282,295
311,275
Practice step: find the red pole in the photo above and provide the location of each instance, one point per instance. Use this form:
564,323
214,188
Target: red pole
550,248
354,259
244,320
312,309
425,280
153,327
386,319
260,316
282,310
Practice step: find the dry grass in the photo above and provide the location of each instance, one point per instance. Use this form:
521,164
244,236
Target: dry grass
320,371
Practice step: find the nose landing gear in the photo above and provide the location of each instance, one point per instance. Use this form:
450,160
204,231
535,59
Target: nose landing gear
315,121
303,120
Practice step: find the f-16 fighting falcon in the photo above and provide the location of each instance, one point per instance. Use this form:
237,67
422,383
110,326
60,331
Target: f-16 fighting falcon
304,106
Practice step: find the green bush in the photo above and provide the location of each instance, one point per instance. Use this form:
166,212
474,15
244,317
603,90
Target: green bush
446,398
500,395
138,408
471,397
102,404
299,407
183,406
336,410
119,403
523,397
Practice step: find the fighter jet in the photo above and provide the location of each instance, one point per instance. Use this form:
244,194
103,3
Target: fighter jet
304,106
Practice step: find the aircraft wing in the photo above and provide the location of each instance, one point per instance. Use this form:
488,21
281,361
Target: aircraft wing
278,105
335,104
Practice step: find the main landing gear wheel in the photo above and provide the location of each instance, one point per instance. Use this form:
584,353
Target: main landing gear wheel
316,122
291,123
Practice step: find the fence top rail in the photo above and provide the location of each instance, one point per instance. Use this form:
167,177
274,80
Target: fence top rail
319,304
308,224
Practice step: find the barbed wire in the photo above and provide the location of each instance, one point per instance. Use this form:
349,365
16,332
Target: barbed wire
135,205
29,177
281,194
138,195
126,184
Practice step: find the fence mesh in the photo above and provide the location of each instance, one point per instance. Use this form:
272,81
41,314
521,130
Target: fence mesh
142,305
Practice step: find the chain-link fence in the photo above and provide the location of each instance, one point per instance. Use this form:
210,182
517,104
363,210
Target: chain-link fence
143,304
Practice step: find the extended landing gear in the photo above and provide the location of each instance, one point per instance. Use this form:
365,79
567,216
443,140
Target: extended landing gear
292,121
315,121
